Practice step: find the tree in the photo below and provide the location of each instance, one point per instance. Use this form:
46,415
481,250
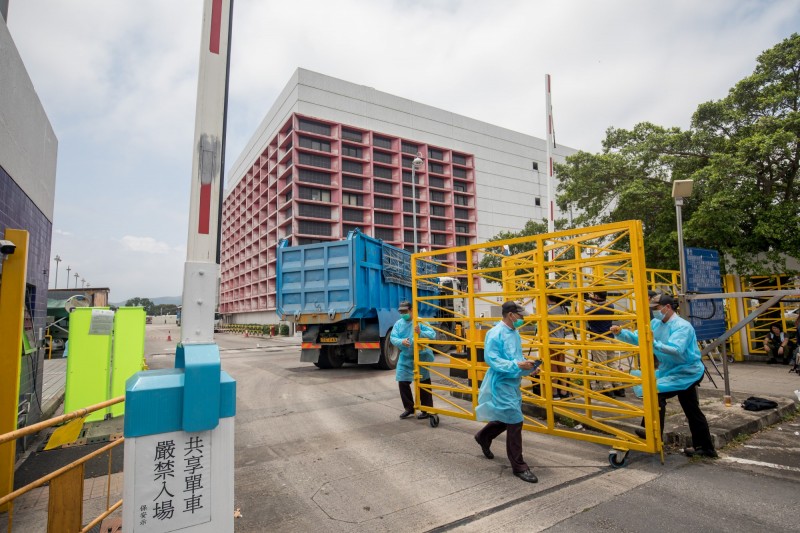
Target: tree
742,153
141,302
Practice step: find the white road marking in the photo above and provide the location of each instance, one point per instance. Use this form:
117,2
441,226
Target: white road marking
781,448
759,463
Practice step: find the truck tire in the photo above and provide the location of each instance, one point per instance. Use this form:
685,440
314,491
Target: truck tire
389,353
329,358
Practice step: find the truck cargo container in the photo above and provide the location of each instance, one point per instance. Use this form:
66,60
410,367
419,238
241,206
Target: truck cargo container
343,296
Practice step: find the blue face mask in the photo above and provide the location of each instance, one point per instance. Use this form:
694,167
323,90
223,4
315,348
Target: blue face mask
406,317
518,322
658,315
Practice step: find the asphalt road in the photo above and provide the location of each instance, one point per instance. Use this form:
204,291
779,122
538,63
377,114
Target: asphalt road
324,450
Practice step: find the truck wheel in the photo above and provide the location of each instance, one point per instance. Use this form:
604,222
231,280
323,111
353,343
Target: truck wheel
335,357
389,353
323,361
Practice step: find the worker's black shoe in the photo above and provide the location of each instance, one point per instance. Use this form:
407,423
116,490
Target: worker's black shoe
422,415
485,449
527,475
619,393
640,433
700,452
407,413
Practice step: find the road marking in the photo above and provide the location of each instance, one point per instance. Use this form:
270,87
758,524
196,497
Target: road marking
781,448
759,463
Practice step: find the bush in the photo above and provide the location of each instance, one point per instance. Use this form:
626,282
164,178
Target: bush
284,330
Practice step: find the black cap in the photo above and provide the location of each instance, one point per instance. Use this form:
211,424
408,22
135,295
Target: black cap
404,306
513,307
662,299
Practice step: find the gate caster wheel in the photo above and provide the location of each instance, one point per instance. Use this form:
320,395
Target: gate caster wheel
618,458
433,420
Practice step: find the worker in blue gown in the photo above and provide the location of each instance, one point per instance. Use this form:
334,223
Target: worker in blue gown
403,337
680,369
500,397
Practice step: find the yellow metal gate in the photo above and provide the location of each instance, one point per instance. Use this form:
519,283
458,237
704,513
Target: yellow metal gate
565,267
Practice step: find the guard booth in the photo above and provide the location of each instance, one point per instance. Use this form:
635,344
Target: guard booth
551,278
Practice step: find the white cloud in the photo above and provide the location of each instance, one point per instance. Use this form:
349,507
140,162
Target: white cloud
147,245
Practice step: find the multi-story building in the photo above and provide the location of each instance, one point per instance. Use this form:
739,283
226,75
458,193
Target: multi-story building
331,156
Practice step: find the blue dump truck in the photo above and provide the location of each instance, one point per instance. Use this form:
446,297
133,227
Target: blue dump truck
343,296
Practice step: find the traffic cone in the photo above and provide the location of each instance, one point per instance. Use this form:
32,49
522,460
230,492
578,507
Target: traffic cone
169,336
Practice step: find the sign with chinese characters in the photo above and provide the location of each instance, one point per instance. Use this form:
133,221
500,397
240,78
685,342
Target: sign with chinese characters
703,276
174,490
102,322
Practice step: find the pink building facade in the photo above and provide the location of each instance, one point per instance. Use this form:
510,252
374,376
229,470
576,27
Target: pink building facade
316,180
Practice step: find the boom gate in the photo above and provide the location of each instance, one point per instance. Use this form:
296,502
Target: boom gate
564,267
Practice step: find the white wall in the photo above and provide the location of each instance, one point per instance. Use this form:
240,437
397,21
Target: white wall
28,145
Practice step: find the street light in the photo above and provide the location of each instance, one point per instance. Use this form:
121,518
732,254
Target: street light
68,269
57,260
681,189
416,164
76,279
83,283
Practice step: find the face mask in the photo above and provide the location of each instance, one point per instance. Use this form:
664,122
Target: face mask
518,322
658,315
406,317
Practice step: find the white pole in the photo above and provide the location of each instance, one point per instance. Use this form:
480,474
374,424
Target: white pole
550,198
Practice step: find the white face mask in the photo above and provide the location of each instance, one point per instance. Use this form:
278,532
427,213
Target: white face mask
658,315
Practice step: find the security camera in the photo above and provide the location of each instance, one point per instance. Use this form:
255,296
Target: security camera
7,247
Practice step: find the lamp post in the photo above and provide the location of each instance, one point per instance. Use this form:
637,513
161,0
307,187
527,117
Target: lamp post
83,283
416,164
76,279
57,259
68,269
681,189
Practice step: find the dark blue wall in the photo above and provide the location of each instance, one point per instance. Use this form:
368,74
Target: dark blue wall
17,211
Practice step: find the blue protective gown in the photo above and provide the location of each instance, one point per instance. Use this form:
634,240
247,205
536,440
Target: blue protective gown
675,346
404,329
500,397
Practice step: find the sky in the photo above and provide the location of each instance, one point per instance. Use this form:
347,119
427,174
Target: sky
118,80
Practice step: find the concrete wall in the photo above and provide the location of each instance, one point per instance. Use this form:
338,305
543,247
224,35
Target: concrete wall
506,184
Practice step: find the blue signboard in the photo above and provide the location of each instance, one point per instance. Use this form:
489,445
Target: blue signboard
703,276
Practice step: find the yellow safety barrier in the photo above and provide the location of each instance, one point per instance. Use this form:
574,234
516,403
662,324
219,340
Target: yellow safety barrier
565,266
65,504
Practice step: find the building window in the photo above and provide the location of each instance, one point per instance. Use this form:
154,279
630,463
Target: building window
347,228
409,148
436,167
288,196
408,236
316,211
315,160
314,144
351,135
438,225
351,199
352,166
537,202
462,228
437,210
407,177
433,181
461,257
312,176
349,182
408,221
407,206
353,215
382,142
313,127
302,240
435,154
351,151
461,214
387,219
310,227
384,203
461,240
437,196
460,200
385,234
459,186
407,191
382,157
382,172
319,195
383,187
439,239
459,172
460,159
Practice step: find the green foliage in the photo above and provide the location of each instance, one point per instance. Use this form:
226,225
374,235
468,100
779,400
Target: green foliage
743,153
284,330
141,302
